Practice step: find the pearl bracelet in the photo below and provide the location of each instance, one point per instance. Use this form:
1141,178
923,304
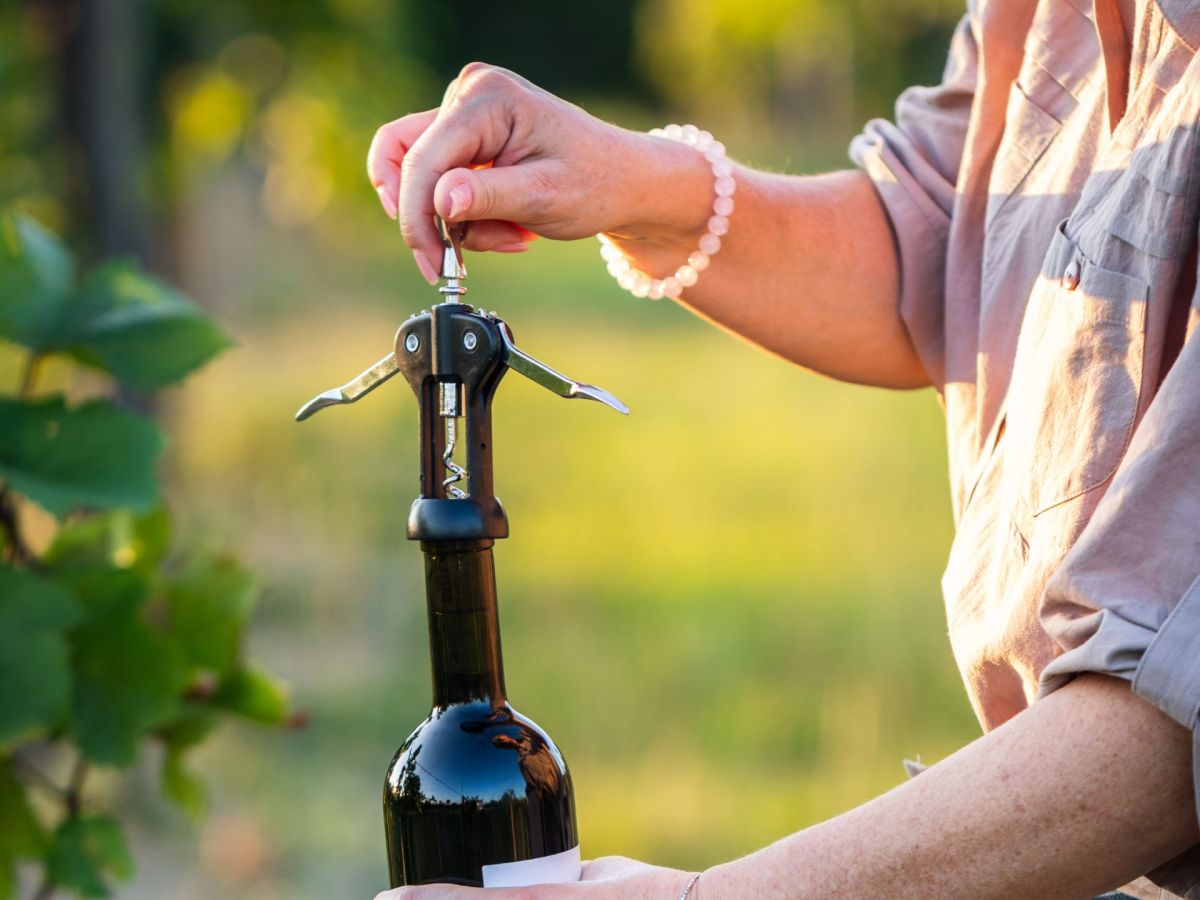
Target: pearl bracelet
642,285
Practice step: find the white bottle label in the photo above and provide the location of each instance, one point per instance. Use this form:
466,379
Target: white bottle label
557,869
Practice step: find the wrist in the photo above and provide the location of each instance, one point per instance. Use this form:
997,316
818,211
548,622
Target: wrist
633,257
687,888
668,191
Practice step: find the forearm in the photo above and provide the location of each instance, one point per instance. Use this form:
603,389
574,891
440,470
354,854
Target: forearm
1088,789
808,269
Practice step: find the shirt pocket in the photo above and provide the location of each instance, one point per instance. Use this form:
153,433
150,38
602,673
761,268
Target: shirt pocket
1077,376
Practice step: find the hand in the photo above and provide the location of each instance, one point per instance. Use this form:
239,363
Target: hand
608,878
518,162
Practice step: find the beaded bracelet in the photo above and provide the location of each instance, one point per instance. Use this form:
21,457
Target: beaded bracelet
642,285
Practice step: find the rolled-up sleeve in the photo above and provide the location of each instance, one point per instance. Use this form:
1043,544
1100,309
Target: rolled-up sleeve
914,164
1126,600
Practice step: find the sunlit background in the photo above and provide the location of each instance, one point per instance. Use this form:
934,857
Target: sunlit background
725,608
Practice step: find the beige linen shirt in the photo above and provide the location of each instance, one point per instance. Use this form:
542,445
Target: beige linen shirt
1043,200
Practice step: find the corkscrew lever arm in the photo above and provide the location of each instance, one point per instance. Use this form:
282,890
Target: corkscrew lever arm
540,373
358,386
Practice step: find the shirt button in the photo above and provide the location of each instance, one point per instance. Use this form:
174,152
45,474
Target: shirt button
1070,278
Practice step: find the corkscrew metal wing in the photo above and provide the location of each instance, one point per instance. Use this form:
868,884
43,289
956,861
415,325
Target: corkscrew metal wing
358,386
556,382
513,357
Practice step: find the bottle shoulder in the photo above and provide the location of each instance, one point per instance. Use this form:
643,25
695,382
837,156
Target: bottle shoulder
476,752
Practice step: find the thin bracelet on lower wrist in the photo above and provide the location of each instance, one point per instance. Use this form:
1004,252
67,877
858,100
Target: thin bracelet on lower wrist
687,891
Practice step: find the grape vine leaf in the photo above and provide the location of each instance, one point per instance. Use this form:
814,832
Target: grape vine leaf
181,786
139,330
129,674
119,319
21,835
94,455
253,694
35,674
36,277
118,538
193,723
87,851
209,605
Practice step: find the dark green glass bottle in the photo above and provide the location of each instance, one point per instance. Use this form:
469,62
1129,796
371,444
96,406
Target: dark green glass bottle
478,795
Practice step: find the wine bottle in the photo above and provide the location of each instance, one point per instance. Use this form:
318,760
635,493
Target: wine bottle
478,795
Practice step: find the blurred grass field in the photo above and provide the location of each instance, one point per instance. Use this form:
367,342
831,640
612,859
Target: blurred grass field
725,607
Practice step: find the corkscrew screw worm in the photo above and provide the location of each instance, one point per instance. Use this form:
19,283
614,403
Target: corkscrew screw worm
457,472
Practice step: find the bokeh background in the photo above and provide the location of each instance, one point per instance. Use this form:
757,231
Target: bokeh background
725,608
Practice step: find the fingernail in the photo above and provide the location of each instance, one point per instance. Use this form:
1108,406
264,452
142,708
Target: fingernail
388,201
460,199
427,270
512,247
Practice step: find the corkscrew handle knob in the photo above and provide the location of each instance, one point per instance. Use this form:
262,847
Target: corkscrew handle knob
453,267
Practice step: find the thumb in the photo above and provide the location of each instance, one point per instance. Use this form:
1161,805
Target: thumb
523,193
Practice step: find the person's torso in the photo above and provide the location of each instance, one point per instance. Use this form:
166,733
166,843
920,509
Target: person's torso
1067,244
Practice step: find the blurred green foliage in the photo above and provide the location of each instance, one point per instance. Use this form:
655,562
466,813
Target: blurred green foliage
725,608
103,644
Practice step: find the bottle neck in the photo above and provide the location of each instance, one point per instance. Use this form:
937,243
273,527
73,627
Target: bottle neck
464,624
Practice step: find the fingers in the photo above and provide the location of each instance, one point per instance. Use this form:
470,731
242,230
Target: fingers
473,126
450,892
607,867
497,236
443,146
436,161
386,155
519,193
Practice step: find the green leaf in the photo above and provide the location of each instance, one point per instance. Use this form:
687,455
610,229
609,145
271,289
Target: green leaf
36,274
255,695
181,786
193,724
94,455
35,674
107,593
209,605
128,676
121,320
87,852
21,835
139,330
190,727
119,538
